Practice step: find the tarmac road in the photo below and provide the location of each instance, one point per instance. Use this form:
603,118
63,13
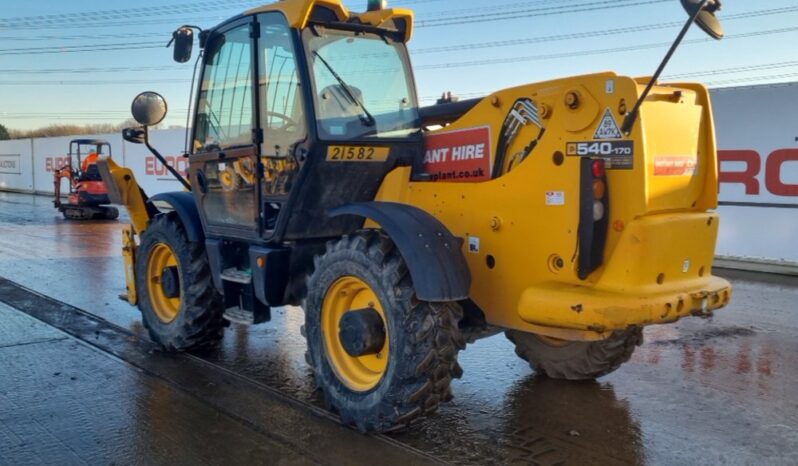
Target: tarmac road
719,391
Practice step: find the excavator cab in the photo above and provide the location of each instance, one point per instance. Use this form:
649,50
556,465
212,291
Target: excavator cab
87,198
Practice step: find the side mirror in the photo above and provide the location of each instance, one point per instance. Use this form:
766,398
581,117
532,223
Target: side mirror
149,108
134,135
706,18
183,40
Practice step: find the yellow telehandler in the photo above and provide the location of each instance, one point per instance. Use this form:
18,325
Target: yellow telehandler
569,213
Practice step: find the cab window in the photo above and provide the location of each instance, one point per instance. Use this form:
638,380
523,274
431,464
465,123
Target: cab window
225,107
362,85
282,104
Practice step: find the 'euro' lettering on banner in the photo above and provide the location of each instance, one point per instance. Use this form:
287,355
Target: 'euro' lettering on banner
152,167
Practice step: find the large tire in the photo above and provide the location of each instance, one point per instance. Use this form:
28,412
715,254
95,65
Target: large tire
576,360
193,320
422,338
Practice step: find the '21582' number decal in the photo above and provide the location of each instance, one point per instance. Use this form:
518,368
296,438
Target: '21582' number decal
357,154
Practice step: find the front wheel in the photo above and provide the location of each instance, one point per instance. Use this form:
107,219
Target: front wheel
382,357
576,360
179,305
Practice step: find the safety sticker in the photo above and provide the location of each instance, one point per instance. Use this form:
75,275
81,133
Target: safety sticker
609,87
675,165
555,198
473,244
608,128
462,156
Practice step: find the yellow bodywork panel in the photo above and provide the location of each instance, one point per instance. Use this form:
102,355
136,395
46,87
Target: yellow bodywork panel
298,13
129,254
521,228
125,191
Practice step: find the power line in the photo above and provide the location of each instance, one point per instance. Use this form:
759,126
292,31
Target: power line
497,61
105,18
438,65
590,34
82,48
734,70
163,9
56,19
126,69
528,13
769,77
545,11
93,82
479,45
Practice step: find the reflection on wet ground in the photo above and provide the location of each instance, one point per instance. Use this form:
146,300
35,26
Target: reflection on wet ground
714,391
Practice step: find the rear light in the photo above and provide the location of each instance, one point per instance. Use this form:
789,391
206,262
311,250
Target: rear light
598,168
598,211
599,189
593,216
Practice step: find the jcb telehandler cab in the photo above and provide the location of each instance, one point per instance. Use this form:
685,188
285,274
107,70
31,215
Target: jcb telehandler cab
316,180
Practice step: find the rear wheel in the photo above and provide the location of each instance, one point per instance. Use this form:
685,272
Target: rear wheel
576,360
179,305
382,357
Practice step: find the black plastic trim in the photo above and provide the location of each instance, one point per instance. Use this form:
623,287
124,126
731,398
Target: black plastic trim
271,280
213,247
441,114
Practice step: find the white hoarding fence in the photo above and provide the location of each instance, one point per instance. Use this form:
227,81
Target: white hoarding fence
29,165
757,129
16,160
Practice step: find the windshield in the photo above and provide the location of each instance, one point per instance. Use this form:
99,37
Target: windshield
361,86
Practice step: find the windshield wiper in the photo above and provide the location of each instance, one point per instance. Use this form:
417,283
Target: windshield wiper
368,120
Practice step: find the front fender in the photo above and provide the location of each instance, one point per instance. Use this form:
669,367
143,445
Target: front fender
184,205
433,255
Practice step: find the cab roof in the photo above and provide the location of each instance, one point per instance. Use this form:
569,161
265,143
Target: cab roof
300,12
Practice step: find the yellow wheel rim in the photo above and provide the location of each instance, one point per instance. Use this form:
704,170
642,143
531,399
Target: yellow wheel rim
161,257
358,373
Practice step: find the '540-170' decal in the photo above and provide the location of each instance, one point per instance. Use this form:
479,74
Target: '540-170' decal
618,154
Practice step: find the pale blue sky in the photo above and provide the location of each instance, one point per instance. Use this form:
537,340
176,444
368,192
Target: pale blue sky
37,88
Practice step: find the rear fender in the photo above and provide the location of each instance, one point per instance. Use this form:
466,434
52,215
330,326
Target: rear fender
433,255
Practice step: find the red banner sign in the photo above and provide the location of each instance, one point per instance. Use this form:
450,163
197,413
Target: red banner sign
462,156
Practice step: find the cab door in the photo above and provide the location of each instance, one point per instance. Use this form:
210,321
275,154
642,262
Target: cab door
283,116
224,164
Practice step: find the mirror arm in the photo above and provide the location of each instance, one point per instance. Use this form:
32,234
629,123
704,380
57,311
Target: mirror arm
163,161
631,118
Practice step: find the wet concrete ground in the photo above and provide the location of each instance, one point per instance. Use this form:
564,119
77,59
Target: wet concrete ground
65,403
723,391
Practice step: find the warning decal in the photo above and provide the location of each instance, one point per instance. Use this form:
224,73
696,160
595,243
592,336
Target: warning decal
463,155
675,166
608,128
